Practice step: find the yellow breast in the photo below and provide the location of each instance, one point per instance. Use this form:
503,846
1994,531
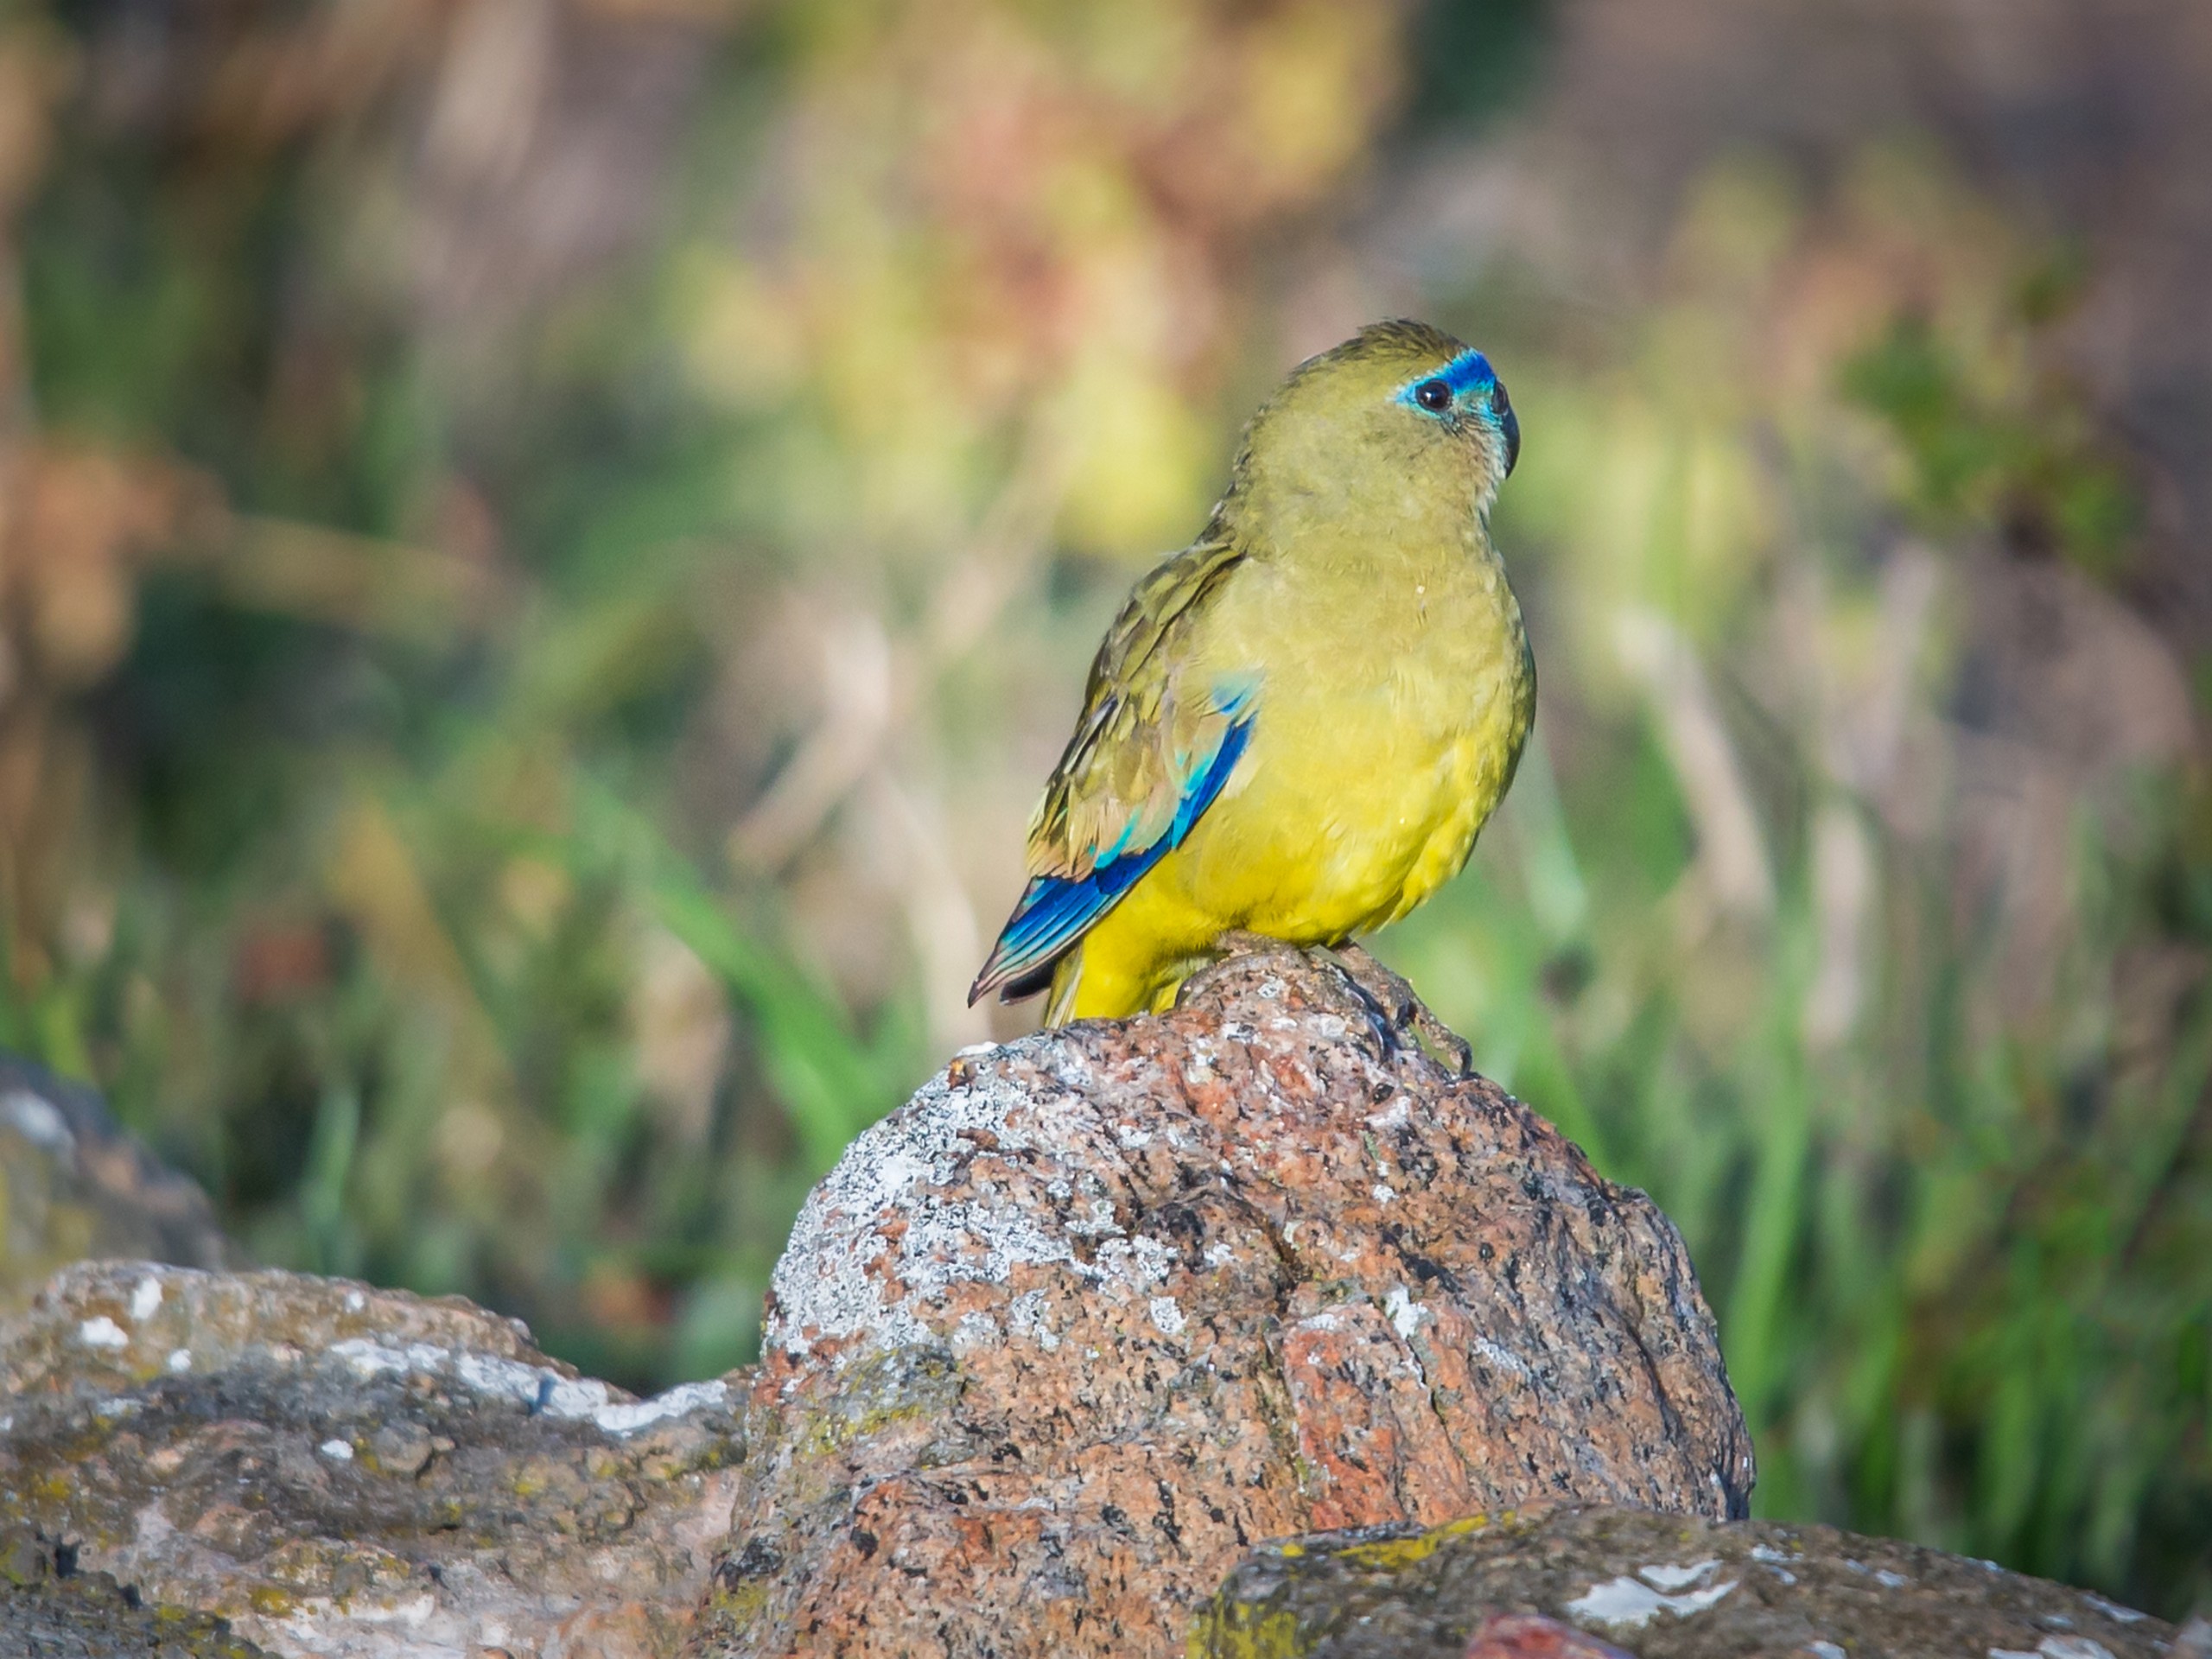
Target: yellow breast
1389,727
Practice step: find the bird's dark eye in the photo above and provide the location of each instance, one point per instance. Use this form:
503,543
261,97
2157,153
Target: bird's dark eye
1432,395
1499,403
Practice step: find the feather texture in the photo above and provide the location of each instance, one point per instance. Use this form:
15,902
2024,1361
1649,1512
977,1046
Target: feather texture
1297,726
1153,748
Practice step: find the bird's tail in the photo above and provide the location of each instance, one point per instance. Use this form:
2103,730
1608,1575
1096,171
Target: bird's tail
1067,975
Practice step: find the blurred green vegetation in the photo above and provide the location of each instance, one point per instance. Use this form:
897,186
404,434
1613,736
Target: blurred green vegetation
548,548
1890,990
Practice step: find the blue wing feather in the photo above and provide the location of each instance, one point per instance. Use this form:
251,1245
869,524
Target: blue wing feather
1054,912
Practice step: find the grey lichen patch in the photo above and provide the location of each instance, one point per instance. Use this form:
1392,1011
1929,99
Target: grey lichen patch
899,1222
108,1328
982,1174
1665,1587
1626,1602
540,1389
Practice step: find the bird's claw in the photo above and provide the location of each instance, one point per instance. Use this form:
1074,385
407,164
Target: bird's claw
1240,941
1388,993
1405,1011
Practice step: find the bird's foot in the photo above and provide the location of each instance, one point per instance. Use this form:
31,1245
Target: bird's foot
1404,1010
1388,993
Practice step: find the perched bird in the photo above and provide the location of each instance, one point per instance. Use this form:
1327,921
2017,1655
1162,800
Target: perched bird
1297,725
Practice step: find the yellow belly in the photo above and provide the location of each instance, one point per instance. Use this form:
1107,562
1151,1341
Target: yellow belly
1343,819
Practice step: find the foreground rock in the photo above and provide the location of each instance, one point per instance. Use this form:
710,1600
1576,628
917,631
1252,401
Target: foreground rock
49,1609
340,1471
1051,1350
72,1185
1096,1311
1657,1586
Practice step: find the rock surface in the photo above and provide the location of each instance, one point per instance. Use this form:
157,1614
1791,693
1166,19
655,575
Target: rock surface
72,1186
1050,1352
1097,1310
1660,1587
341,1470
50,1609
1656,1587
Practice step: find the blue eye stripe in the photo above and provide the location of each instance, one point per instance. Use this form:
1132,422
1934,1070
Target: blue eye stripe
1470,371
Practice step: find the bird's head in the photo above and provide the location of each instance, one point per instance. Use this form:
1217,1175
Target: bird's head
1400,420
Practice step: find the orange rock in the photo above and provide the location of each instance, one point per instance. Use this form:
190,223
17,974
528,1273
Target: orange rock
1097,1309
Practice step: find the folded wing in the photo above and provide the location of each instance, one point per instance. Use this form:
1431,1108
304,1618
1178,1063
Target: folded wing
1157,740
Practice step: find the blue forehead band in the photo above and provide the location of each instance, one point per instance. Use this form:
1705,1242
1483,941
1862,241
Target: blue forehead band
1469,371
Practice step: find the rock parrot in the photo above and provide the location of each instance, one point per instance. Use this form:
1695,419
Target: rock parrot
1297,725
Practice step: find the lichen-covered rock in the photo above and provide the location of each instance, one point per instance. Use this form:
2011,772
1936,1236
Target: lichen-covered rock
72,1186
50,1609
1656,1587
1096,1311
342,1471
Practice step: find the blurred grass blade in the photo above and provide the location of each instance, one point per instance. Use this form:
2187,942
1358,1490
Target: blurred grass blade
831,1083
